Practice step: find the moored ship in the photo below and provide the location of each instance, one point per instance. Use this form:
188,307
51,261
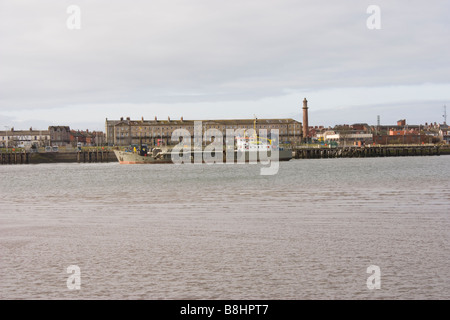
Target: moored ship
143,156
248,149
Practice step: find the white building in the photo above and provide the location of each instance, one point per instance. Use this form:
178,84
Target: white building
24,138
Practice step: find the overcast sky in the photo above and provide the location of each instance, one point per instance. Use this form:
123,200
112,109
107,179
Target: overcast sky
204,59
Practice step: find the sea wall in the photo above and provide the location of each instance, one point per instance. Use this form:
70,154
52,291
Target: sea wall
57,157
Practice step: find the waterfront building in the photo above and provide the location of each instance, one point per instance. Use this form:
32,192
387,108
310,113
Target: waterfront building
86,138
59,135
24,138
125,132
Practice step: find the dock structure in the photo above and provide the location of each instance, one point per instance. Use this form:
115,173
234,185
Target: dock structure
95,156
14,158
25,157
366,152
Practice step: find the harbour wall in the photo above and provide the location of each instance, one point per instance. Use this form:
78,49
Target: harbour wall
299,153
57,157
370,152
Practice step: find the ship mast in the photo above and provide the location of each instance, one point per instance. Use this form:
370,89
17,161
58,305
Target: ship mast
254,126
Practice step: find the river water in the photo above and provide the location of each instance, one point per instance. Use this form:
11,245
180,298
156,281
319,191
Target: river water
226,232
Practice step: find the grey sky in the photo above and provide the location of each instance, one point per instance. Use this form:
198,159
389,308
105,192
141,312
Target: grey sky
222,59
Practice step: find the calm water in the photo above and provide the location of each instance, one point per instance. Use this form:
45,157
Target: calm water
225,232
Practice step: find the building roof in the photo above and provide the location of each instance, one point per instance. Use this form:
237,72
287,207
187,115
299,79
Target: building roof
59,127
191,122
78,133
25,133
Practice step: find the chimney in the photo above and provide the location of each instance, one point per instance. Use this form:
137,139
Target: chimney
181,119
121,118
128,118
142,119
305,119
156,118
31,128
168,119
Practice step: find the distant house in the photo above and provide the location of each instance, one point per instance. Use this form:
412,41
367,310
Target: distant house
444,134
24,138
77,137
401,123
361,127
394,132
59,135
86,138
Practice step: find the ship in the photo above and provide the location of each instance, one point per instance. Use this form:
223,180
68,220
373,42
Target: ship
248,149
142,155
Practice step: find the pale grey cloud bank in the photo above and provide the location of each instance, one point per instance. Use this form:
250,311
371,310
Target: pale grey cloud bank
210,58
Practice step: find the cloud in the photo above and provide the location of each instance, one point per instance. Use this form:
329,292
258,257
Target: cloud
145,53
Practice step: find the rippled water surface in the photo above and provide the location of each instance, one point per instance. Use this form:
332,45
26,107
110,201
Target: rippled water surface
225,232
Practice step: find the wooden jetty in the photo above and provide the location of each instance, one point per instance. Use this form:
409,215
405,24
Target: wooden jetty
366,152
14,158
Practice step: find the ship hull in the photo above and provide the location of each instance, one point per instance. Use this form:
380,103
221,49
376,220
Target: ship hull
283,155
134,158
239,157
